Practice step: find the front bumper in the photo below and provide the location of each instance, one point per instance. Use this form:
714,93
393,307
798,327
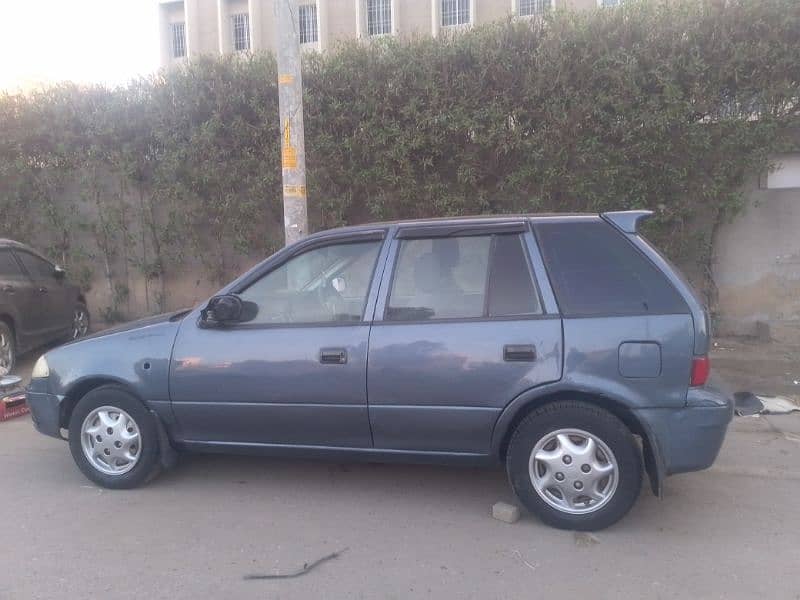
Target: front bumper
45,412
689,438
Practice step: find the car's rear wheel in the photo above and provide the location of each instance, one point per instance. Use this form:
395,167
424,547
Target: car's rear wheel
80,321
575,466
8,349
113,438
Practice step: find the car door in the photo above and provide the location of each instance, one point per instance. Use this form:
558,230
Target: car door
295,372
19,299
461,329
55,314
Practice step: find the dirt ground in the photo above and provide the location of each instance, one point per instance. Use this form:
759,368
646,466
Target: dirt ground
409,531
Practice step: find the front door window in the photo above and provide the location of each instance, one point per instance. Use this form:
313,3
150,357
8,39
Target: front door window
324,285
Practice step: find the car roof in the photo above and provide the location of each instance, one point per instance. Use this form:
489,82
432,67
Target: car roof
475,219
6,243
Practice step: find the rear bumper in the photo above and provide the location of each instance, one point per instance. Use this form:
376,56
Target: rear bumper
689,438
45,412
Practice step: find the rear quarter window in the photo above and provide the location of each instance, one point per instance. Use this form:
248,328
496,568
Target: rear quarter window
595,271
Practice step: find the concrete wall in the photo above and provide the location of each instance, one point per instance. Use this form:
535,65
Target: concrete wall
757,262
413,17
341,21
486,12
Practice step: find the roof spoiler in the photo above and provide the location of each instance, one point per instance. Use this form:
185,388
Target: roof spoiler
627,220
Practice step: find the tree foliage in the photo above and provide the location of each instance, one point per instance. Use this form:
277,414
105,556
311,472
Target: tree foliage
669,106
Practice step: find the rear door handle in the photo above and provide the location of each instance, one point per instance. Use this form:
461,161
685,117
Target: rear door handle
8,289
43,290
333,356
519,352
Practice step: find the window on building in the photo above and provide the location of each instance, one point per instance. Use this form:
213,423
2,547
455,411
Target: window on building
178,39
379,17
455,12
241,32
528,8
309,31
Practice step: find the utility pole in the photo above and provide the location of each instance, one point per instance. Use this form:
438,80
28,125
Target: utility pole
290,103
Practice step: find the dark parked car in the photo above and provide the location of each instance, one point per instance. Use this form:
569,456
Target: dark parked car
37,304
564,347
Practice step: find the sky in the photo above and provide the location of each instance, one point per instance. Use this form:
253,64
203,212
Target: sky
85,41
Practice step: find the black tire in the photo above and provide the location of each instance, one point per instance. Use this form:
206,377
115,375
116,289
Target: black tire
115,396
600,424
7,337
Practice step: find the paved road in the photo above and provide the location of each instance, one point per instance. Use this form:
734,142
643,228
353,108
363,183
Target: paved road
411,531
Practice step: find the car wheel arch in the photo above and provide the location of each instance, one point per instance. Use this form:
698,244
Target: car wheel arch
517,410
167,455
82,387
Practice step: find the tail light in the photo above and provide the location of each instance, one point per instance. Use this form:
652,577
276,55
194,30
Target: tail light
701,367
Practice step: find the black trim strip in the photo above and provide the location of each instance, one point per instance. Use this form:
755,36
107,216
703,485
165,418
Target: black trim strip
460,229
372,235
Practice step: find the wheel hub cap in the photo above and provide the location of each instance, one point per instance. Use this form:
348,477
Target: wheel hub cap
110,440
573,471
80,324
5,354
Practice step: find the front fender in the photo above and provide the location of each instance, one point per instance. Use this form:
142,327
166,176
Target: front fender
137,358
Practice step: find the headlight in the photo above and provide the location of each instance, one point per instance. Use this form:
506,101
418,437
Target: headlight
40,369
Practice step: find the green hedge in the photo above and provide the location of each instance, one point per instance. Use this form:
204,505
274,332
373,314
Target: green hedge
662,105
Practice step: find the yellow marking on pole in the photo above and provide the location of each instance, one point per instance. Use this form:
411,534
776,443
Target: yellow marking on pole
294,191
285,79
289,158
288,152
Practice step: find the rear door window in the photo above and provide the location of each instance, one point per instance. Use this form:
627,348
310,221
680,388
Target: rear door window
462,277
8,265
595,271
38,268
511,289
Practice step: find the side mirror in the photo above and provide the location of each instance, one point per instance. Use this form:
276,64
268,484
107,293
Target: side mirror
59,272
222,310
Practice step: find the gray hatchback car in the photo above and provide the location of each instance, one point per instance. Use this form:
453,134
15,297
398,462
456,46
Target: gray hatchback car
564,347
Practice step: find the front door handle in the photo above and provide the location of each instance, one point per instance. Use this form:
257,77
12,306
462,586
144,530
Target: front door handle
333,356
8,289
519,352
43,290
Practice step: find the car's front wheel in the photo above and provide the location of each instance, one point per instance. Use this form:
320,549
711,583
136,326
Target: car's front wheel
113,438
575,466
8,349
